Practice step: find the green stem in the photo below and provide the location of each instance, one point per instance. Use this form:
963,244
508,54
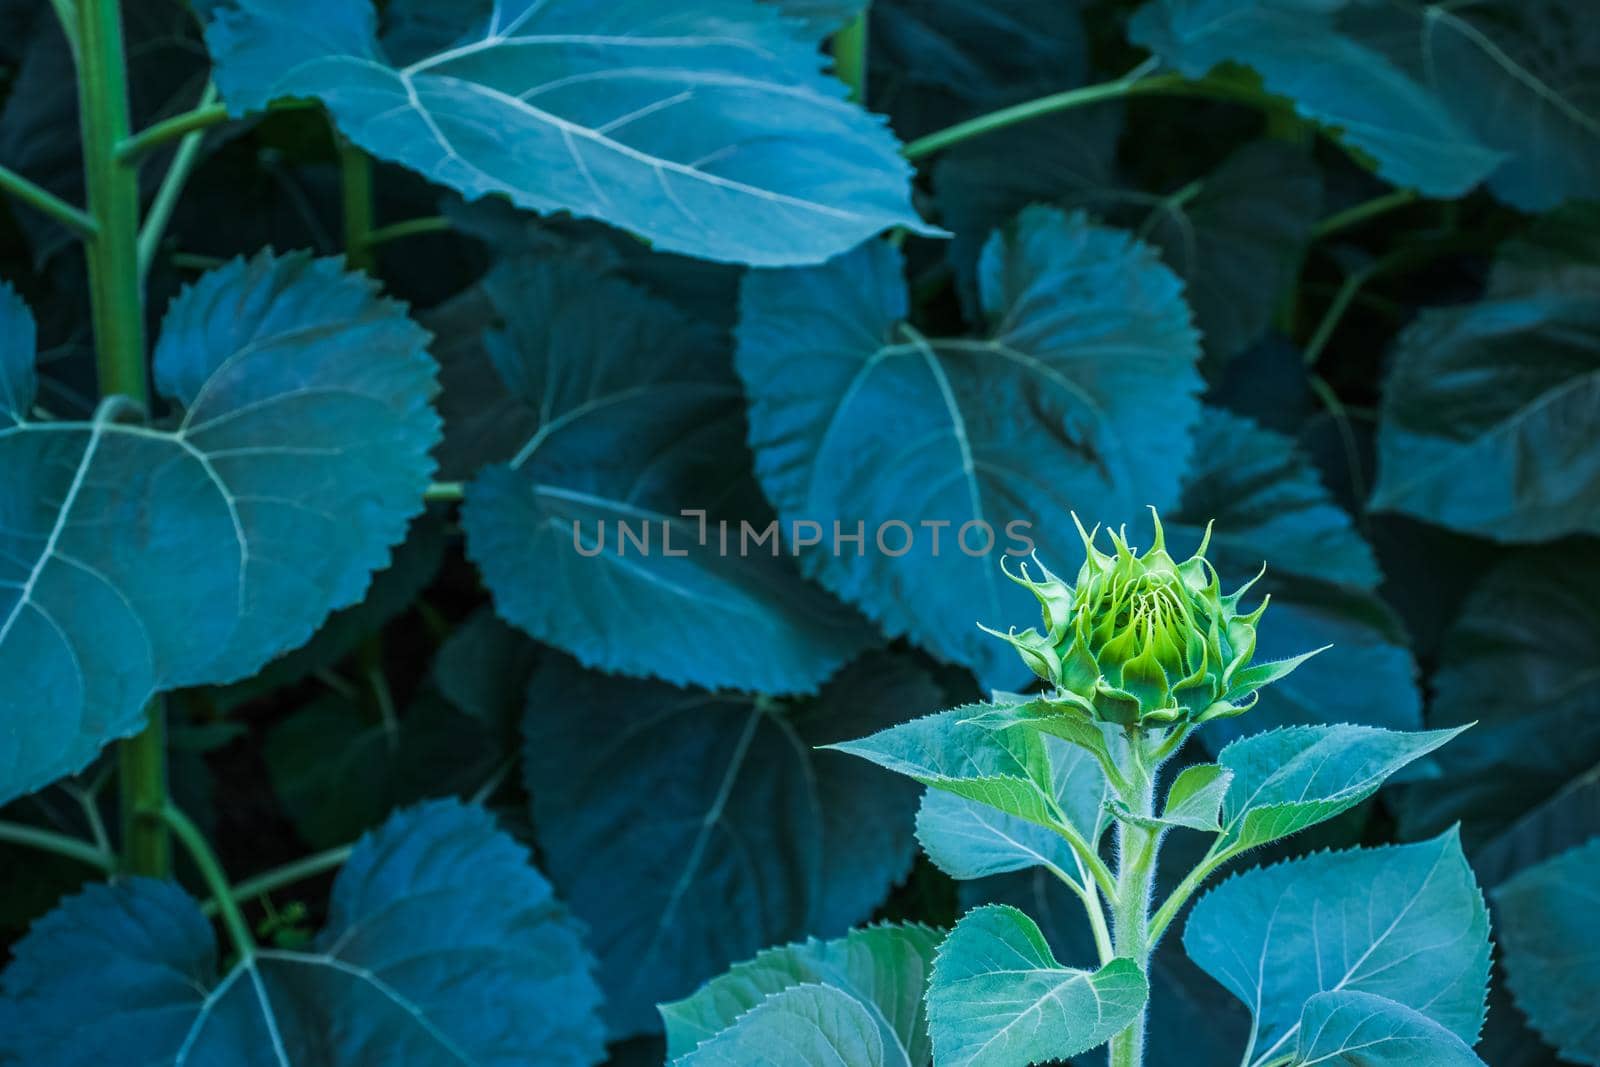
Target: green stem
1136,868
41,199
1355,216
1336,310
117,309
445,493
408,228
206,114
1180,896
355,179
850,55
1137,82
177,176
205,861
61,844
278,877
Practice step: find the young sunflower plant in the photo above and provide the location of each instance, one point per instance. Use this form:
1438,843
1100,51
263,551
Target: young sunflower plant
1136,655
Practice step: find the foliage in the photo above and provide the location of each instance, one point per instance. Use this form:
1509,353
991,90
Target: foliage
476,476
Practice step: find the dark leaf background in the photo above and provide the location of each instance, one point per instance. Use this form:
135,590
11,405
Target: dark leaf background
1399,414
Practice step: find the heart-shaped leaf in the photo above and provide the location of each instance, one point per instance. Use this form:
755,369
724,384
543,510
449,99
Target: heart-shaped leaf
1075,399
137,558
442,945
1362,1030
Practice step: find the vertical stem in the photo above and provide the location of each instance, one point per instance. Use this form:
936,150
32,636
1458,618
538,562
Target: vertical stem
850,55
118,313
355,178
1136,853
211,873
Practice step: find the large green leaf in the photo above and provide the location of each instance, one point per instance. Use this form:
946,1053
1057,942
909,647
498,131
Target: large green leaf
1520,662
999,998
705,126
442,945
1361,1030
1286,780
1551,947
1319,54
1405,922
1082,396
884,967
1483,417
631,414
137,558
692,829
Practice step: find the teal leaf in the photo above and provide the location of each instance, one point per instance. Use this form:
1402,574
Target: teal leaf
884,967
1480,429
724,832
969,839
1519,661
1558,253
999,998
706,127
483,669
1518,74
1195,797
1356,1029
442,945
1551,949
1315,52
1073,400
802,1026
138,558
1288,779
1235,235
634,416
1405,922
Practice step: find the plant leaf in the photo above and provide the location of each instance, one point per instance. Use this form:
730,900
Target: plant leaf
969,839
1551,948
802,1026
884,967
1313,52
441,941
1406,922
1520,662
1074,400
1288,779
998,996
1195,797
1362,1030
135,559
638,416
725,833
704,126
1479,425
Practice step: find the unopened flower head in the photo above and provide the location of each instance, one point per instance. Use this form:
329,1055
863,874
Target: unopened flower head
1144,640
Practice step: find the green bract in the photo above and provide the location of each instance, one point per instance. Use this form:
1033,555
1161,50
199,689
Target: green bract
1143,640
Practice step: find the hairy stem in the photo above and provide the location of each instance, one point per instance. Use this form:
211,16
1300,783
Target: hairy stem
205,115
205,861
117,310
1136,868
61,844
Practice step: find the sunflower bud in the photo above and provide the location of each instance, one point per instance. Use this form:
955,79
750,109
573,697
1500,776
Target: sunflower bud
1144,640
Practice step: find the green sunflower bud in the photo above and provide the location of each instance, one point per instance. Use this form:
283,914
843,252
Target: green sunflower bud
1145,640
